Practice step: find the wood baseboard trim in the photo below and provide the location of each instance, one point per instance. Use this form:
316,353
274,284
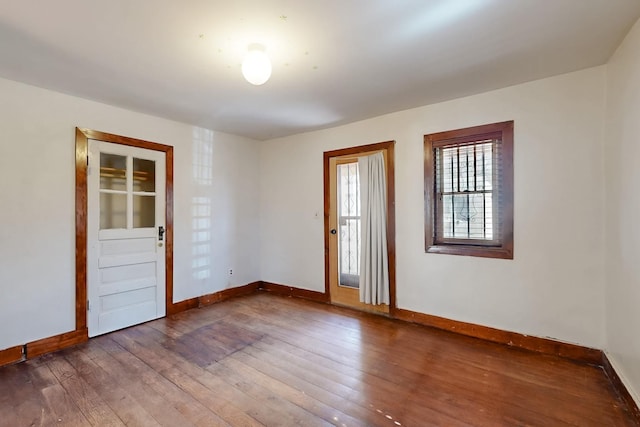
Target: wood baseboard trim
181,306
620,388
56,342
205,300
68,339
540,345
290,291
225,294
12,355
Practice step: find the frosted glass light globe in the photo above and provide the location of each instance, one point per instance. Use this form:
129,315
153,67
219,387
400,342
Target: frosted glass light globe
256,66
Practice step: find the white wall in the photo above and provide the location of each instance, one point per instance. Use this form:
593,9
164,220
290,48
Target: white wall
37,230
622,149
555,285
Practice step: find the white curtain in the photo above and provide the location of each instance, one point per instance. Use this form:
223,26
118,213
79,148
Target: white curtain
374,267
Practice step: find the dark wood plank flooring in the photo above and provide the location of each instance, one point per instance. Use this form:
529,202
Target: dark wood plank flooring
275,361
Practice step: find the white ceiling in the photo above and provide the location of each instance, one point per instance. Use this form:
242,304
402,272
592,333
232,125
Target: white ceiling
334,61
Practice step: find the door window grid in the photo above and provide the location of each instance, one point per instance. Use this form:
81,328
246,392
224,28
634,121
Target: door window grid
127,192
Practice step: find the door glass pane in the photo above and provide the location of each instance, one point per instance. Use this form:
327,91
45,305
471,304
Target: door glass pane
113,211
144,211
144,175
113,172
349,224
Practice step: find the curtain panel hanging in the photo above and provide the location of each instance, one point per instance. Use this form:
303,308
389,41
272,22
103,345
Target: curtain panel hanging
374,266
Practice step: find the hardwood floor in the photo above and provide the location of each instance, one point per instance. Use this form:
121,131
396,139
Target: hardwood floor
269,360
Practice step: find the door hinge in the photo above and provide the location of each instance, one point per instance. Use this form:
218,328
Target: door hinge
88,305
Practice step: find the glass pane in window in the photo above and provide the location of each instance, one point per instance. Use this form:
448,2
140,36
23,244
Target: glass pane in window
113,172
447,169
484,166
447,216
144,175
465,168
468,216
144,211
113,211
349,224
490,218
466,175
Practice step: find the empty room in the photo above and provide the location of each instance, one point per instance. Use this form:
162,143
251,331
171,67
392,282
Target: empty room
314,213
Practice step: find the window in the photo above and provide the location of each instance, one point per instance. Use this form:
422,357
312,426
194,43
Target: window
469,191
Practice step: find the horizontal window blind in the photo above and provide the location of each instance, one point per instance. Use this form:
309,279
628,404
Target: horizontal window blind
468,192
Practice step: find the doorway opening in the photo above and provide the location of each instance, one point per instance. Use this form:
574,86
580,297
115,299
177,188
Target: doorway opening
138,196
344,232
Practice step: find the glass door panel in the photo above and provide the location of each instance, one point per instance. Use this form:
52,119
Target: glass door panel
113,191
349,225
144,175
144,211
113,172
144,187
113,211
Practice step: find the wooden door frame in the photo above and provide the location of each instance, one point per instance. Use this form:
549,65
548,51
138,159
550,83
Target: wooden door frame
82,160
391,216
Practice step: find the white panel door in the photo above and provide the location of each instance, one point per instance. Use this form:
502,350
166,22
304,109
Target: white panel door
126,250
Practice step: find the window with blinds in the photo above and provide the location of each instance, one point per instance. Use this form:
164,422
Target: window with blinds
469,190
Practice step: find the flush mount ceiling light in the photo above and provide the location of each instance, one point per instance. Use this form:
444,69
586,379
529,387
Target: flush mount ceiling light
256,66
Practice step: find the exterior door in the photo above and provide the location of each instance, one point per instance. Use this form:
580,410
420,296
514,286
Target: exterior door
125,236
345,232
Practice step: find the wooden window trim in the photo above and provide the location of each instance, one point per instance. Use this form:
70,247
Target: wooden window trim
463,247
